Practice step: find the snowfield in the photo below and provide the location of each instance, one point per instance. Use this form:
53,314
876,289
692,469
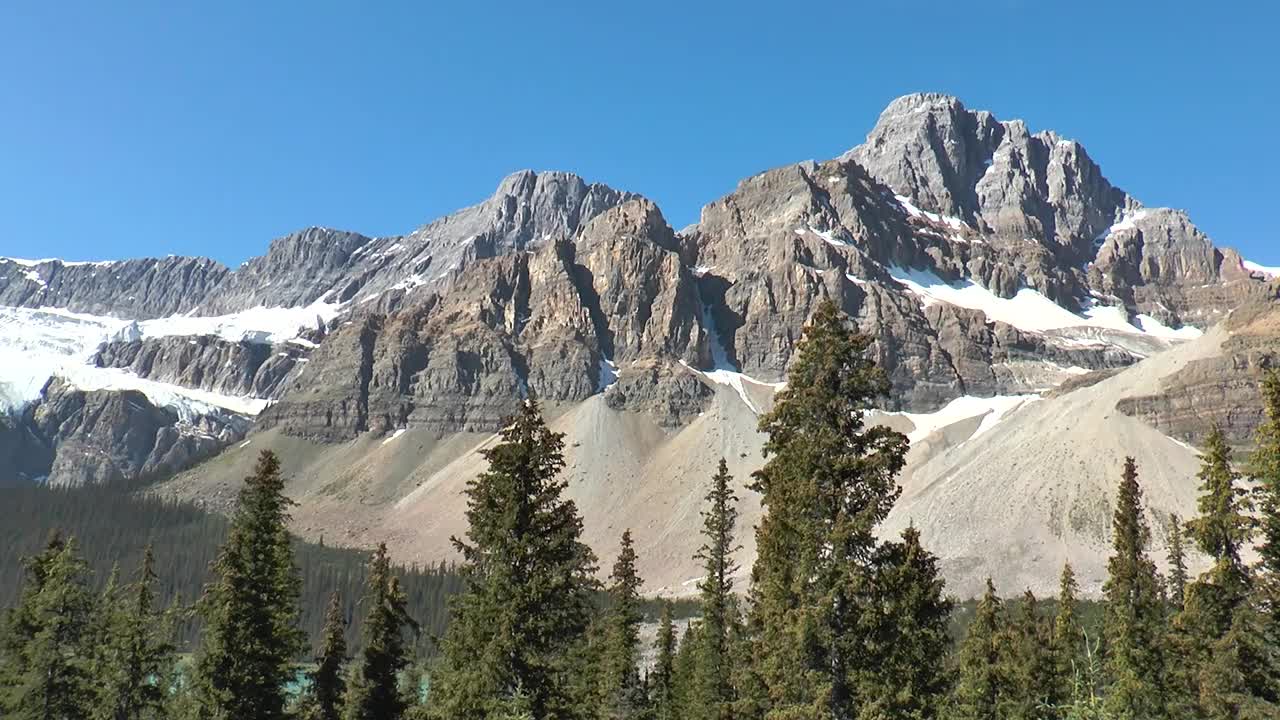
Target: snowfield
38,344
1029,310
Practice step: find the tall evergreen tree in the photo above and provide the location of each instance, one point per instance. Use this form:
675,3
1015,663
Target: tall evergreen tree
375,693
714,671
328,684
619,688
1177,564
1224,526
1264,470
250,610
529,584
828,481
909,641
47,659
1069,643
138,652
1134,617
981,687
661,679
1028,665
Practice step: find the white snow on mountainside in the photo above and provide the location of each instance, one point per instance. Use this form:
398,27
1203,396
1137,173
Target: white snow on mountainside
1273,272
38,344
1029,310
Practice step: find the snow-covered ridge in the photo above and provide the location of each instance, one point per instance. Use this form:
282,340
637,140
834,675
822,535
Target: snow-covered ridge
56,261
1029,310
1271,272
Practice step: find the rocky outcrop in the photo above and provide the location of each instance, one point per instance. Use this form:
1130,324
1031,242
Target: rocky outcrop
114,436
139,289
1221,389
204,362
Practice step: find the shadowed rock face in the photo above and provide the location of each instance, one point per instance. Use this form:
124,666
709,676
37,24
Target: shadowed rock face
564,289
74,437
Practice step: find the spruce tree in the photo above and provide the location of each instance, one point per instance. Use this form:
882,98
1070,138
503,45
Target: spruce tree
250,610
1028,665
375,693
1069,642
981,687
619,690
328,683
47,658
1134,617
909,640
828,481
661,688
1224,526
1264,469
1177,564
138,652
528,584
714,671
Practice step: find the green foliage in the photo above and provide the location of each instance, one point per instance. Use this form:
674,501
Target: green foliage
619,692
529,585
1177,564
136,653
328,685
1135,616
712,686
1027,665
1070,646
46,662
250,609
905,625
113,525
981,686
375,694
828,481
661,679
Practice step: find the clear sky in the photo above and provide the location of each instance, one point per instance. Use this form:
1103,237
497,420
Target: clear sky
132,129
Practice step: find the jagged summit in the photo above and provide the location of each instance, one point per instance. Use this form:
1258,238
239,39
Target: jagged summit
990,264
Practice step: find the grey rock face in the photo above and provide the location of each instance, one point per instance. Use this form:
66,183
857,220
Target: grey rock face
242,369
140,289
110,436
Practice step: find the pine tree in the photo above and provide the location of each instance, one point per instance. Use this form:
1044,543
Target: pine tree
828,481
328,684
1069,643
683,674
528,584
1134,617
250,610
1232,686
619,688
714,671
138,651
909,640
1264,470
1224,526
47,659
375,694
981,687
1177,564
661,688
1027,665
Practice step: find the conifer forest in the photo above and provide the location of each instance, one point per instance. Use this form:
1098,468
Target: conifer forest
202,617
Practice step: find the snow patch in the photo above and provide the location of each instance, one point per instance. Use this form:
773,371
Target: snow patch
608,374
992,410
1028,309
724,372
1271,272
954,223
394,435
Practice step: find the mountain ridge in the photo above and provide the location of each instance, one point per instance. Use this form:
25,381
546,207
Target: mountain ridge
989,264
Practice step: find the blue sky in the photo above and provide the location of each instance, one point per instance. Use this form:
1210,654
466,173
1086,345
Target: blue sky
133,129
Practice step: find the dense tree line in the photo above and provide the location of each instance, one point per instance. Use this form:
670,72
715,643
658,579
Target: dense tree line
113,527
836,623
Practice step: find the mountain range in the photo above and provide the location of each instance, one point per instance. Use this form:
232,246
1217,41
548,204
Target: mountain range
1037,324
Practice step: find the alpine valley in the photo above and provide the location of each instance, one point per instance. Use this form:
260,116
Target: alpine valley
1037,324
